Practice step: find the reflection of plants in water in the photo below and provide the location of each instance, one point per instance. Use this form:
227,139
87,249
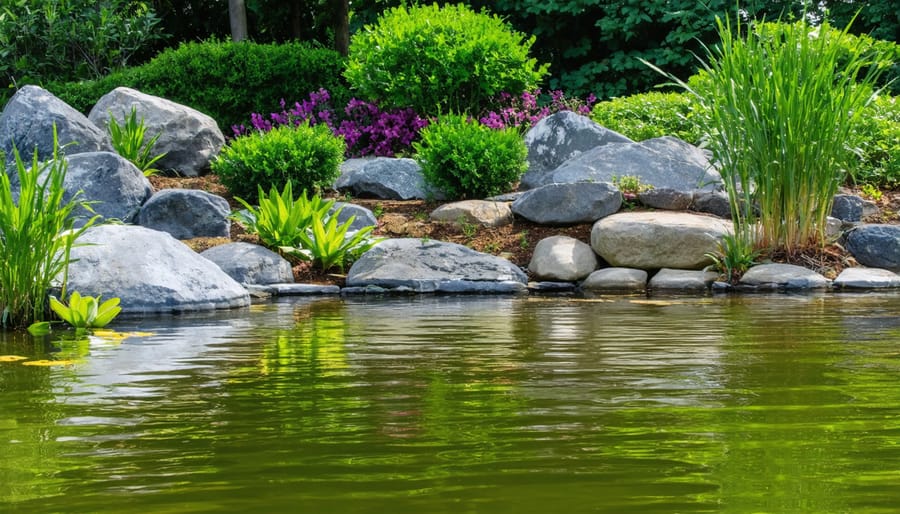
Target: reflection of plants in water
315,345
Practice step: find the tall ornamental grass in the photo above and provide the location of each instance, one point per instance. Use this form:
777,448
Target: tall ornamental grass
36,238
778,109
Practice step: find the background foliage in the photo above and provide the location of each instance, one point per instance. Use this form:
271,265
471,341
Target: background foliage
225,80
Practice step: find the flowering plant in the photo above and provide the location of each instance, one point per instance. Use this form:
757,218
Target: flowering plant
525,110
366,129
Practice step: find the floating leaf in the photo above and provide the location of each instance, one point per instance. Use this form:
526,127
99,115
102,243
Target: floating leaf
12,358
40,328
48,363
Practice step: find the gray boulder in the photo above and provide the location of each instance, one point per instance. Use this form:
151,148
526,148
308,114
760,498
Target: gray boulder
783,276
848,208
658,239
362,217
386,178
27,122
666,198
251,264
562,136
712,202
482,212
683,281
664,162
568,204
114,185
150,271
622,280
189,138
187,213
421,266
562,258
867,278
875,245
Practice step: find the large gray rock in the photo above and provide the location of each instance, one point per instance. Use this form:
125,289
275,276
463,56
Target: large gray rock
189,138
786,276
568,204
27,122
114,185
562,136
712,202
150,271
386,178
658,239
562,258
434,267
621,280
251,264
482,212
664,162
867,278
876,245
187,213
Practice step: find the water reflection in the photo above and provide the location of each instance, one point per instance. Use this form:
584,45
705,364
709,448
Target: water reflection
770,403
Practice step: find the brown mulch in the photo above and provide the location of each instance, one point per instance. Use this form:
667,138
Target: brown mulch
515,242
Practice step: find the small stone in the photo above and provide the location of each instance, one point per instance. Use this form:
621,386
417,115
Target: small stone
624,280
867,278
562,258
787,276
682,280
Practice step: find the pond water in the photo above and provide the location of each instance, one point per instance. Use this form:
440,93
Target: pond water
465,404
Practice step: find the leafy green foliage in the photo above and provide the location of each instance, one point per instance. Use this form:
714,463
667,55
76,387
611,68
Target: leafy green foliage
280,218
465,159
780,104
36,237
876,138
86,312
225,80
440,59
44,40
128,141
328,245
649,115
307,157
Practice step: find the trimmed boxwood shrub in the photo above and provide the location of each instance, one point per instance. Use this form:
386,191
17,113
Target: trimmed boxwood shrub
440,59
466,159
225,80
649,115
309,157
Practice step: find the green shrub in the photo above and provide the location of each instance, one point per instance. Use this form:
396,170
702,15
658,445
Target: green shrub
440,59
876,135
649,115
36,237
465,159
328,245
308,157
225,80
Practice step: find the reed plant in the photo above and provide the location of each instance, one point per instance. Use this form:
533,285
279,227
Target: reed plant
129,140
37,235
778,109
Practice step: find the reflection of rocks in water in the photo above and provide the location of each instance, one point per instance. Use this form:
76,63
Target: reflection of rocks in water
866,328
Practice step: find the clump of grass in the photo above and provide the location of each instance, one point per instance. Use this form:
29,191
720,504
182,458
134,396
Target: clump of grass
778,108
37,235
129,141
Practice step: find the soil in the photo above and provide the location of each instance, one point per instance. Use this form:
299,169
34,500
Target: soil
514,242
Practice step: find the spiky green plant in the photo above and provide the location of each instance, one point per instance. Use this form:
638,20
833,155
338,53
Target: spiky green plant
37,235
128,141
778,107
281,220
327,244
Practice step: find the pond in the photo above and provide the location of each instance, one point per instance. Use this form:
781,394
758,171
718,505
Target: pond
769,403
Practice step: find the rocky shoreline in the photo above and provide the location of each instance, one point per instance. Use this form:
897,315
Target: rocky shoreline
655,243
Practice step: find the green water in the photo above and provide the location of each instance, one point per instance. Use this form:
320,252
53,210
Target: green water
460,405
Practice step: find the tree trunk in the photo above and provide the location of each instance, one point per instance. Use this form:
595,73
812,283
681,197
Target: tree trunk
342,26
237,16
